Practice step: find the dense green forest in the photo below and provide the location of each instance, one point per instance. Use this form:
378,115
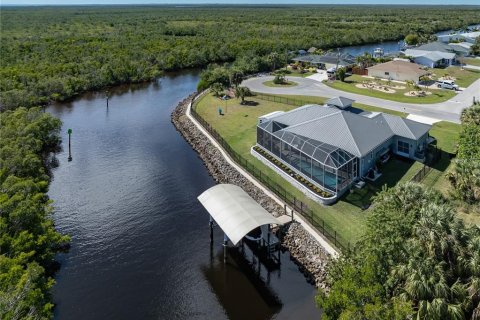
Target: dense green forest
54,53
417,259
28,240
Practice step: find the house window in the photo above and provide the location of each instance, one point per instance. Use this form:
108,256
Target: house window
403,147
387,73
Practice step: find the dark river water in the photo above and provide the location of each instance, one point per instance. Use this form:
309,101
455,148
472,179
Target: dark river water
140,239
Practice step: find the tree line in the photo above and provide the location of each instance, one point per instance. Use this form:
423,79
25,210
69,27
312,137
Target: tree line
54,53
417,258
28,239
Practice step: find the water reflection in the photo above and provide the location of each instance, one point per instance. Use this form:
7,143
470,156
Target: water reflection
240,286
140,243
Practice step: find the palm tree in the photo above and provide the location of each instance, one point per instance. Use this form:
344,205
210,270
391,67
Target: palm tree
410,84
425,79
273,58
471,115
217,89
242,92
236,77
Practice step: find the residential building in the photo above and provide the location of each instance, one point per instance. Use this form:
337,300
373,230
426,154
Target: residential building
328,60
398,70
469,37
332,148
432,59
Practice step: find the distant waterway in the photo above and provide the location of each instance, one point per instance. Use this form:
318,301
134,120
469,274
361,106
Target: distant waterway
387,46
140,239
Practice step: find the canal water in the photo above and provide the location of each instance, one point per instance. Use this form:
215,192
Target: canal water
140,239
387,46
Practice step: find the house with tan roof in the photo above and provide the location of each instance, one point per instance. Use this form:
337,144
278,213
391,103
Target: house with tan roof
397,70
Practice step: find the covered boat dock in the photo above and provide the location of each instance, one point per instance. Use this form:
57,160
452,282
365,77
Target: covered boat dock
238,214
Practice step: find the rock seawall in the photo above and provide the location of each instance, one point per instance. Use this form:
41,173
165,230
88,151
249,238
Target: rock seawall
304,249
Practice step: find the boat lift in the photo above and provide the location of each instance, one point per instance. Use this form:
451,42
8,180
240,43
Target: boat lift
238,215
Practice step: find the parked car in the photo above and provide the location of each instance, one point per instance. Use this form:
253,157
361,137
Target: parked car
447,84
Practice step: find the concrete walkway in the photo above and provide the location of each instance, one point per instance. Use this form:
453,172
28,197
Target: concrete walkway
469,66
311,230
449,110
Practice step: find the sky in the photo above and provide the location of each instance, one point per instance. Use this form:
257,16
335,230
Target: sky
179,2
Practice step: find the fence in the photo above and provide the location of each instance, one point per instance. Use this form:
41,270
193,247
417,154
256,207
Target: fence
285,100
418,177
360,71
310,215
434,156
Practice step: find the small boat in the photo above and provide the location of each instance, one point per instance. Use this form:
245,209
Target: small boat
378,53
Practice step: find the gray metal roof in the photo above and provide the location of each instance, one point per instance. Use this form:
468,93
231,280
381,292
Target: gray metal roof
302,114
431,55
435,46
340,102
334,131
344,59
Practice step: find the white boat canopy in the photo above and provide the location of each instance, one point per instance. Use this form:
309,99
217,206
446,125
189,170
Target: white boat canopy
234,210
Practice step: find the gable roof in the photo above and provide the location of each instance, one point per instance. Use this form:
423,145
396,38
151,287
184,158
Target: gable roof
333,128
343,59
430,55
400,66
340,102
435,46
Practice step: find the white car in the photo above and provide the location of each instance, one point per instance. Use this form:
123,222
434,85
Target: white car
447,84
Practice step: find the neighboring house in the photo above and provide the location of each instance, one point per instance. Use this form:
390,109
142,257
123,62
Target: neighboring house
312,50
398,70
332,148
302,52
432,59
469,37
457,48
328,60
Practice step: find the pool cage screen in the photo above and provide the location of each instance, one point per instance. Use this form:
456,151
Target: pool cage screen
329,167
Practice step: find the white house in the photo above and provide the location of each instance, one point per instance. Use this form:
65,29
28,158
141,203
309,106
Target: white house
397,70
432,59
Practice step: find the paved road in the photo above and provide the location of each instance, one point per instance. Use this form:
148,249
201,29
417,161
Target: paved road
449,110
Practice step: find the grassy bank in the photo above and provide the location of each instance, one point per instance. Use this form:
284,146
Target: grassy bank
237,127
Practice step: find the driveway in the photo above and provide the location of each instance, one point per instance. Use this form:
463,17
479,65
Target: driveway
449,110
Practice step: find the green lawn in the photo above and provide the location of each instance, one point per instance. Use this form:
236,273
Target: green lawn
286,84
464,77
237,127
472,61
350,86
296,73
347,217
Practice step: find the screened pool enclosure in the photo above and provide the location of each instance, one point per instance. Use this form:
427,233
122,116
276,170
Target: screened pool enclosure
330,168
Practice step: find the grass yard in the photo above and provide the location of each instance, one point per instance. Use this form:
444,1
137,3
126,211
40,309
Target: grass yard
472,61
285,84
350,83
237,127
464,77
296,73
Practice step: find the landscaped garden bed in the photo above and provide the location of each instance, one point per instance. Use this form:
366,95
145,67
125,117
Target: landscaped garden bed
321,193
